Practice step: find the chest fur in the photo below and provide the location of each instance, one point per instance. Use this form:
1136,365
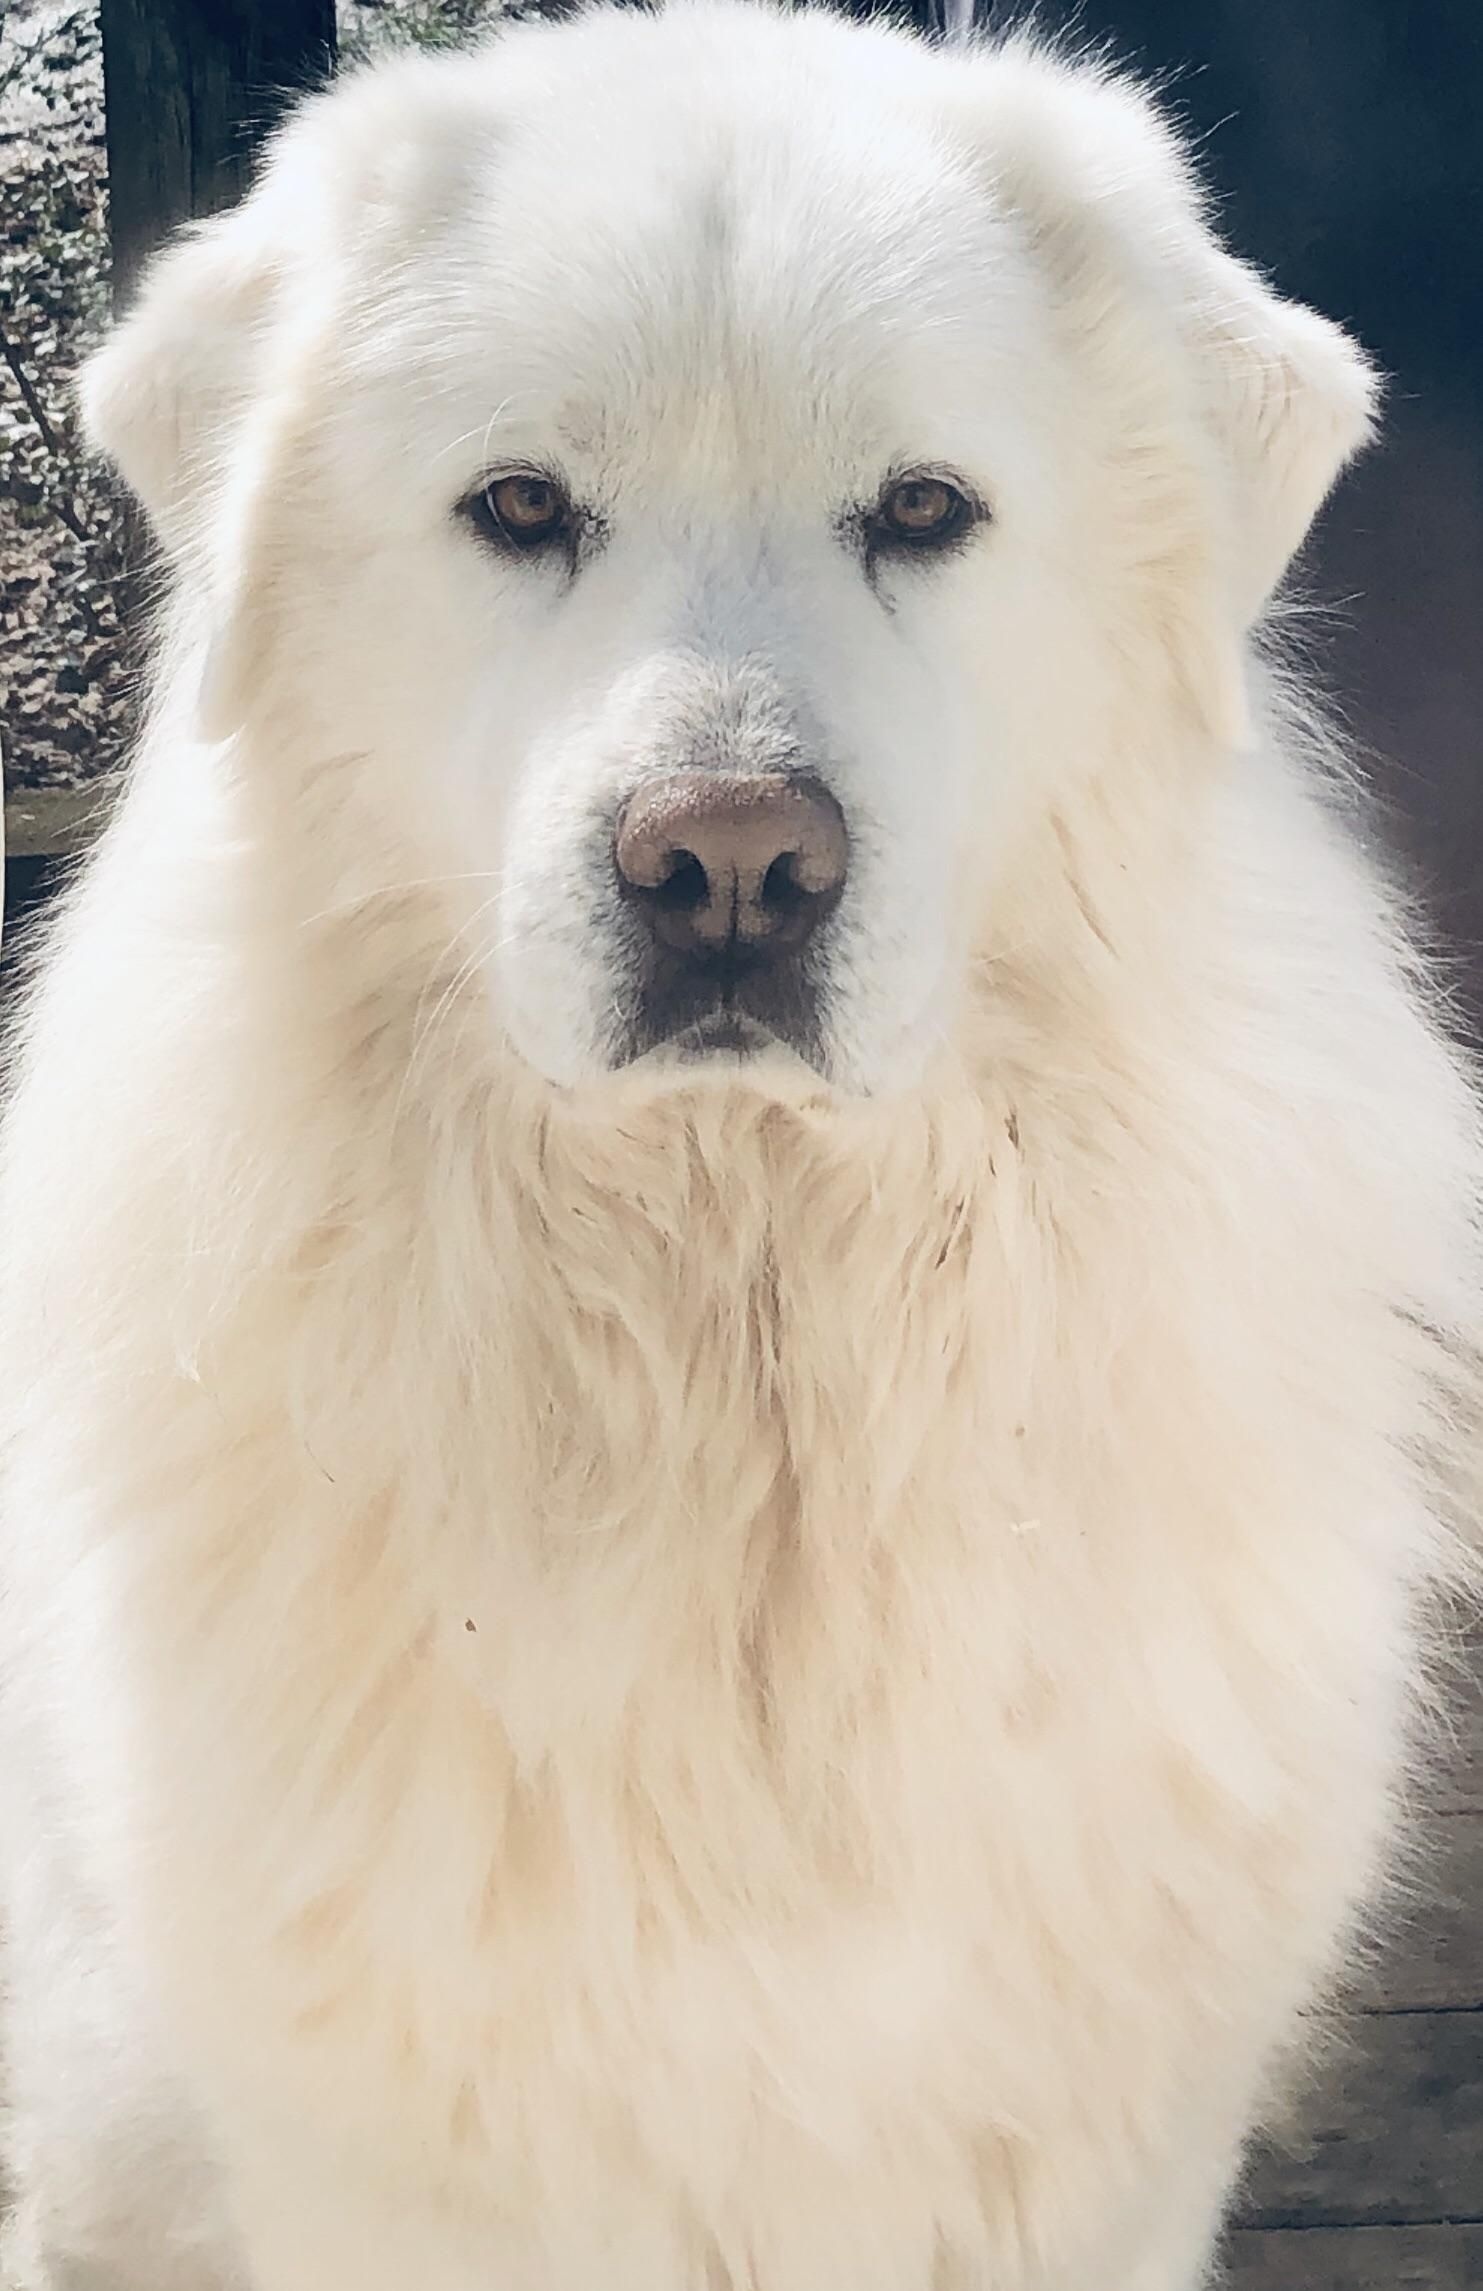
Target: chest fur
757,1663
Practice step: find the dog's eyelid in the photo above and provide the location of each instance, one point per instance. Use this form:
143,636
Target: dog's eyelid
889,526
503,509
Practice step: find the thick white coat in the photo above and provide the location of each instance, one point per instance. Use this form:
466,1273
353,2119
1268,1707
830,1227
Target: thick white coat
680,1683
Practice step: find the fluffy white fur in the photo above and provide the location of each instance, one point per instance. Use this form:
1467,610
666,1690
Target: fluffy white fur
726,1683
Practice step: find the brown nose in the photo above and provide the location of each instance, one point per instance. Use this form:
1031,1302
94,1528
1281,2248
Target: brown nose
713,860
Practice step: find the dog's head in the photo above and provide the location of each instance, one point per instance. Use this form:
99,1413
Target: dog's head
720,474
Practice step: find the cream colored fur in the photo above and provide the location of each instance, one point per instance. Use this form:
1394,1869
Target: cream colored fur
658,1684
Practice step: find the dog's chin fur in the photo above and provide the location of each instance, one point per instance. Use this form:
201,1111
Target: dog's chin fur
756,1065
703,1682
770,1070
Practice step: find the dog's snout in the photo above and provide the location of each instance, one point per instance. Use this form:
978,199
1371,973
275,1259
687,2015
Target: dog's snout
730,876
715,861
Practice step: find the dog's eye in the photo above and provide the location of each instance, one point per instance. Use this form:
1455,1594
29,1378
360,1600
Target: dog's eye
920,512
524,509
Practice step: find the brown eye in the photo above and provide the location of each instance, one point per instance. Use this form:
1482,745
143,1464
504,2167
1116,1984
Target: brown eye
524,509
921,512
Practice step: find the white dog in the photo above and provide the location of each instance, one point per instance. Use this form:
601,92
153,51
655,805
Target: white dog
741,1273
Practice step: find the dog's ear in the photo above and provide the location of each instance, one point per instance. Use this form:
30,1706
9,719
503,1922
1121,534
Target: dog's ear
1290,399
162,395
1280,397
185,392
206,396
166,395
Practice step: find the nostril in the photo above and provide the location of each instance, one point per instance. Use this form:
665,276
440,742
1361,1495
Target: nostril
783,892
684,887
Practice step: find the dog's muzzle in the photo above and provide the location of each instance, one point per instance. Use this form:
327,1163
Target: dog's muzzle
728,879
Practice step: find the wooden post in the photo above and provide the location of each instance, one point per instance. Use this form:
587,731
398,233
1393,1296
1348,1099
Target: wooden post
191,87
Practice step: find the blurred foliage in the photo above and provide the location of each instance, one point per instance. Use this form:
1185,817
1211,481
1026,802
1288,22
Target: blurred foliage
369,27
61,682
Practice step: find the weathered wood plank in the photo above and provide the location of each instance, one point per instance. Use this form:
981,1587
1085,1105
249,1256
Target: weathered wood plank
46,822
1358,2259
1457,1784
1434,1957
1393,2136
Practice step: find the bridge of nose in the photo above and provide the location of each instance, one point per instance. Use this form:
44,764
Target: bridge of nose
728,821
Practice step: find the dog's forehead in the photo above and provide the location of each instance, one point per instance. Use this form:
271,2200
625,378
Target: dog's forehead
749,264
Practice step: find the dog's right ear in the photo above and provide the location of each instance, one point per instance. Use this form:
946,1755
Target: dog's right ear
167,395
204,394
164,397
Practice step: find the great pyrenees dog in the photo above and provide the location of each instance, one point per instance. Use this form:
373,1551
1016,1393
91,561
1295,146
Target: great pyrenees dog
741,1282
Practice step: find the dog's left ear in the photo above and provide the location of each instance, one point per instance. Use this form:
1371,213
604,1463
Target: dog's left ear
1275,399
1290,400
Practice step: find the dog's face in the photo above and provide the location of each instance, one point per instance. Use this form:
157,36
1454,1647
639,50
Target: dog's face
703,471
719,475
